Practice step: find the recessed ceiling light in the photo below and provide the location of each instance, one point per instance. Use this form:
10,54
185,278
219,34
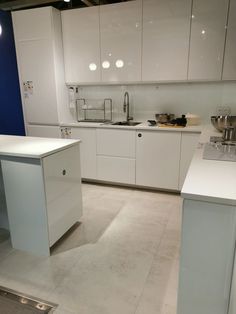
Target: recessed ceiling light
66,0
0,29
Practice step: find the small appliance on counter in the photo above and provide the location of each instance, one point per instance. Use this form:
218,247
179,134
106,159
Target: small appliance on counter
192,119
169,120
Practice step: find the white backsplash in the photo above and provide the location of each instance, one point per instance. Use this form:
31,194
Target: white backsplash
146,100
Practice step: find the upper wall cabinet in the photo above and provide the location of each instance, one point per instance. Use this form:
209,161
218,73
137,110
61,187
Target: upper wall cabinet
229,70
121,33
209,18
166,30
81,45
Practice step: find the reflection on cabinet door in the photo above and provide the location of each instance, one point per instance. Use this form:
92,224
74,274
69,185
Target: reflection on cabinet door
80,29
229,70
166,30
209,18
121,32
157,159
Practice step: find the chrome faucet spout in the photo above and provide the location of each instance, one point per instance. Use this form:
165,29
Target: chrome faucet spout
126,106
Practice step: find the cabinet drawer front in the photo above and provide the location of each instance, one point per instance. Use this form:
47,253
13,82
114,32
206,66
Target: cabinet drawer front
117,143
116,169
63,191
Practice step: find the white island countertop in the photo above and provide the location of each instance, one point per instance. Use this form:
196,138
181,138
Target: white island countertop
32,147
210,180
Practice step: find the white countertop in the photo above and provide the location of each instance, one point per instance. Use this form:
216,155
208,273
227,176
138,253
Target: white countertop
32,147
210,180
142,126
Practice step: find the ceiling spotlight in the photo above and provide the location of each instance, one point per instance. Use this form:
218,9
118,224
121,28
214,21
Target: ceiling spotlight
66,0
0,29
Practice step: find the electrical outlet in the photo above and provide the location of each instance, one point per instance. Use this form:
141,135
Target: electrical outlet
223,110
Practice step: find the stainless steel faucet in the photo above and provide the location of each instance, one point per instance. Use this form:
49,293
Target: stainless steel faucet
126,106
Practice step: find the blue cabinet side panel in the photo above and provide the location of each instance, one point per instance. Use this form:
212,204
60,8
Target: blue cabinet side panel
11,114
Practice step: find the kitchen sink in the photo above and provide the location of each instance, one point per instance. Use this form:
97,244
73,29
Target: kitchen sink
126,123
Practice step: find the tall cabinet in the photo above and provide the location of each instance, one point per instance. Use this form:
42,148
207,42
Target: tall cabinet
41,66
208,29
166,30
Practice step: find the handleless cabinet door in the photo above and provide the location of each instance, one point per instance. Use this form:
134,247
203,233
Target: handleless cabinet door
157,159
87,151
80,28
166,30
209,18
63,191
229,70
121,27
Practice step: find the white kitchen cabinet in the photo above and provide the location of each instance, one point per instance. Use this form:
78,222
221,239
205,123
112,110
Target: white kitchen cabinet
166,30
229,69
116,155
43,197
188,145
208,29
157,159
81,41
232,305
40,61
43,131
87,150
207,253
121,34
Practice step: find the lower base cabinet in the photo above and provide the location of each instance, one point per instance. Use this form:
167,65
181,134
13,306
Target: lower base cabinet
157,159
116,169
43,198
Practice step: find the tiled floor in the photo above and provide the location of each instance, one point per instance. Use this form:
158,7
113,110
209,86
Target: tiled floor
123,258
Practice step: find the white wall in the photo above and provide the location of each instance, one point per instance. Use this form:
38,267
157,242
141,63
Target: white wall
146,100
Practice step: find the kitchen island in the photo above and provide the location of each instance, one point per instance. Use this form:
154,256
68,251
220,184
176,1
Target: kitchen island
42,185
208,234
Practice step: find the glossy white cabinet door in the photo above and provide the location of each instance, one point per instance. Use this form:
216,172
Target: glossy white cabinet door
80,28
188,144
207,252
207,40
229,70
116,169
63,191
116,143
157,159
166,30
87,150
121,30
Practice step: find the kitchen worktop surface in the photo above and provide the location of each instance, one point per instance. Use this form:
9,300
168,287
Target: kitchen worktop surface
210,180
141,126
32,147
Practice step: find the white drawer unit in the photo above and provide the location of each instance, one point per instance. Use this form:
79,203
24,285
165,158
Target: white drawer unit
116,155
117,143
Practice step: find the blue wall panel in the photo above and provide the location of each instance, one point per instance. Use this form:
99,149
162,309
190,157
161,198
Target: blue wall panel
11,115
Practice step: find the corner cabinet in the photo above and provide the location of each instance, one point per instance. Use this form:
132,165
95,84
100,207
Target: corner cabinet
229,69
207,41
81,40
166,30
121,35
157,159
